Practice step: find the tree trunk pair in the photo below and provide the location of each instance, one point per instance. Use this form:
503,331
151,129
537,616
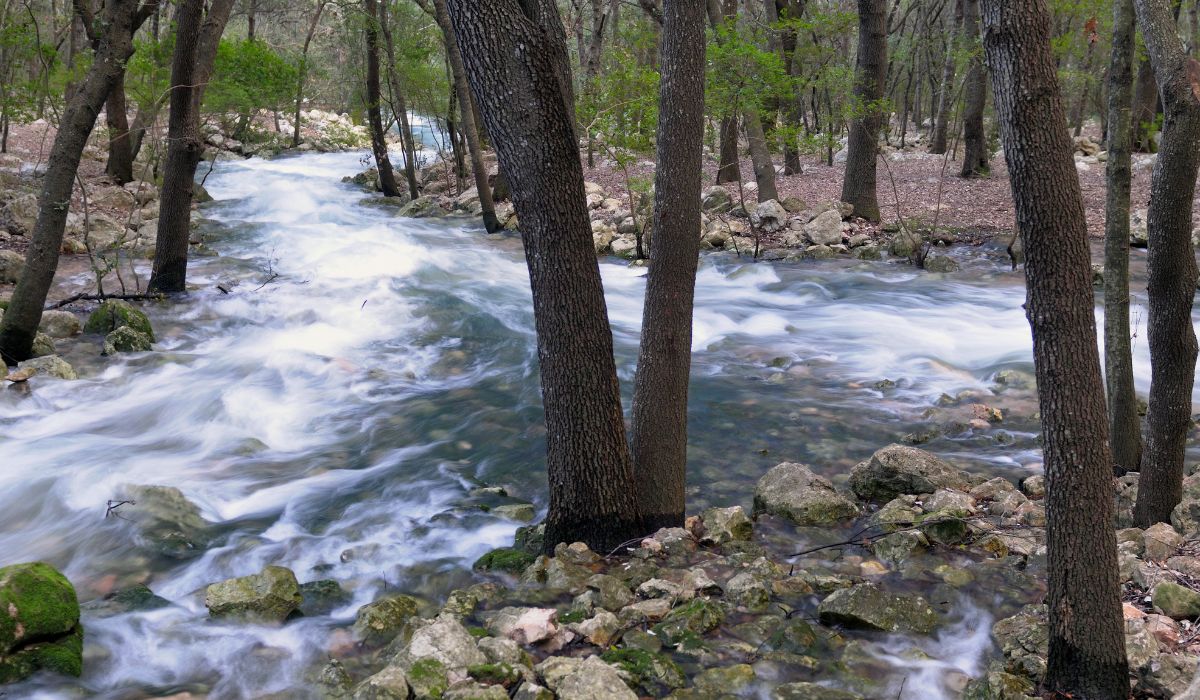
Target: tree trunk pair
1087,642
383,163
197,36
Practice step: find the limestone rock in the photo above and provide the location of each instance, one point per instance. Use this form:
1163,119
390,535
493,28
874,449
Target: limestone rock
790,490
379,622
126,339
865,605
60,324
825,229
12,264
584,679
723,525
899,469
49,366
1176,601
166,520
268,596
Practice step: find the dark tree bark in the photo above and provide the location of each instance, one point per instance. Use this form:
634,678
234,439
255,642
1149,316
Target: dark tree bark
191,68
728,168
1125,433
468,124
514,64
1087,642
946,96
760,156
399,105
1145,107
387,176
119,21
793,107
660,389
975,152
302,73
1172,267
120,150
858,184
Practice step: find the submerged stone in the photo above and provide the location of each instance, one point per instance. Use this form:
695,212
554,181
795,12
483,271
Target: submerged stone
40,628
268,596
167,520
688,622
865,605
126,600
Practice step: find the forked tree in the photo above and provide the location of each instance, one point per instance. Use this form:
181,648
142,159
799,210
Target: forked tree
1086,630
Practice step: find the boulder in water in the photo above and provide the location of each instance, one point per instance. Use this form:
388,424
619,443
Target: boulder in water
49,366
268,596
12,264
380,622
126,339
899,469
115,313
43,345
168,522
790,490
866,606
60,324
40,628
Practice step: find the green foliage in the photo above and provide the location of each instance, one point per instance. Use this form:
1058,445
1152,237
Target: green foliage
249,76
620,106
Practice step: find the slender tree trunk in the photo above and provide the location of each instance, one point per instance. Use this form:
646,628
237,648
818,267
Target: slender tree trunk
191,68
469,127
121,19
387,176
1172,267
793,106
1124,425
302,74
1087,642
946,96
728,169
858,184
975,151
660,391
1145,108
514,61
120,152
399,105
760,156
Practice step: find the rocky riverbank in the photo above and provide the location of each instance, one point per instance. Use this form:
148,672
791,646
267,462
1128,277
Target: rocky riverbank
722,607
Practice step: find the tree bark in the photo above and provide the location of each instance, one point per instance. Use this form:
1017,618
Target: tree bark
975,151
858,184
399,105
468,125
114,46
120,152
660,391
383,163
1125,433
191,68
302,74
1087,642
728,168
946,96
793,106
760,156
514,63
1171,262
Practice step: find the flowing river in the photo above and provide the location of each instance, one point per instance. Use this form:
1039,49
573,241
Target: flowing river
332,412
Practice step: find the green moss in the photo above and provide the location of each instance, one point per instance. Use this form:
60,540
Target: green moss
572,616
428,678
689,622
655,674
114,314
478,632
40,606
495,674
506,559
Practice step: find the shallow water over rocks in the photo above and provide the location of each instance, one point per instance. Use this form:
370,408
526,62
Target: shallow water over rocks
335,419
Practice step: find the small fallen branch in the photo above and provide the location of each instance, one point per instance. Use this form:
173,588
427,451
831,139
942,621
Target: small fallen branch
104,297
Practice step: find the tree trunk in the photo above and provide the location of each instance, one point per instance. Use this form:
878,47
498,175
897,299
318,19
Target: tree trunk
793,106
660,391
1145,108
302,74
387,176
1087,642
1171,263
1125,432
469,127
121,19
975,152
1081,106
191,68
399,105
946,95
858,184
513,58
120,151
760,156
729,168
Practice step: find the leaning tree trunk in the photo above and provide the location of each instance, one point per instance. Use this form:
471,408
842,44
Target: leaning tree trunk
1087,642
121,19
660,390
858,183
387,176
760,156
975,152
468,126
120,148
1125,433
191,69
515,64
1171,261
946,94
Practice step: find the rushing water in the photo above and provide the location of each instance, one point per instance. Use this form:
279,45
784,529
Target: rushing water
364,373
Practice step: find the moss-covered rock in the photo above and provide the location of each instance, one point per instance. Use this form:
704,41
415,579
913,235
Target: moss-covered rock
501,673
653,674
998,685
428,678
790,490
724,681
43,345
1024,640
322,597
867,606
507,559
1176,601
689,621
382,621
268,596
126,339
389,684
114,314
723,525
40,628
